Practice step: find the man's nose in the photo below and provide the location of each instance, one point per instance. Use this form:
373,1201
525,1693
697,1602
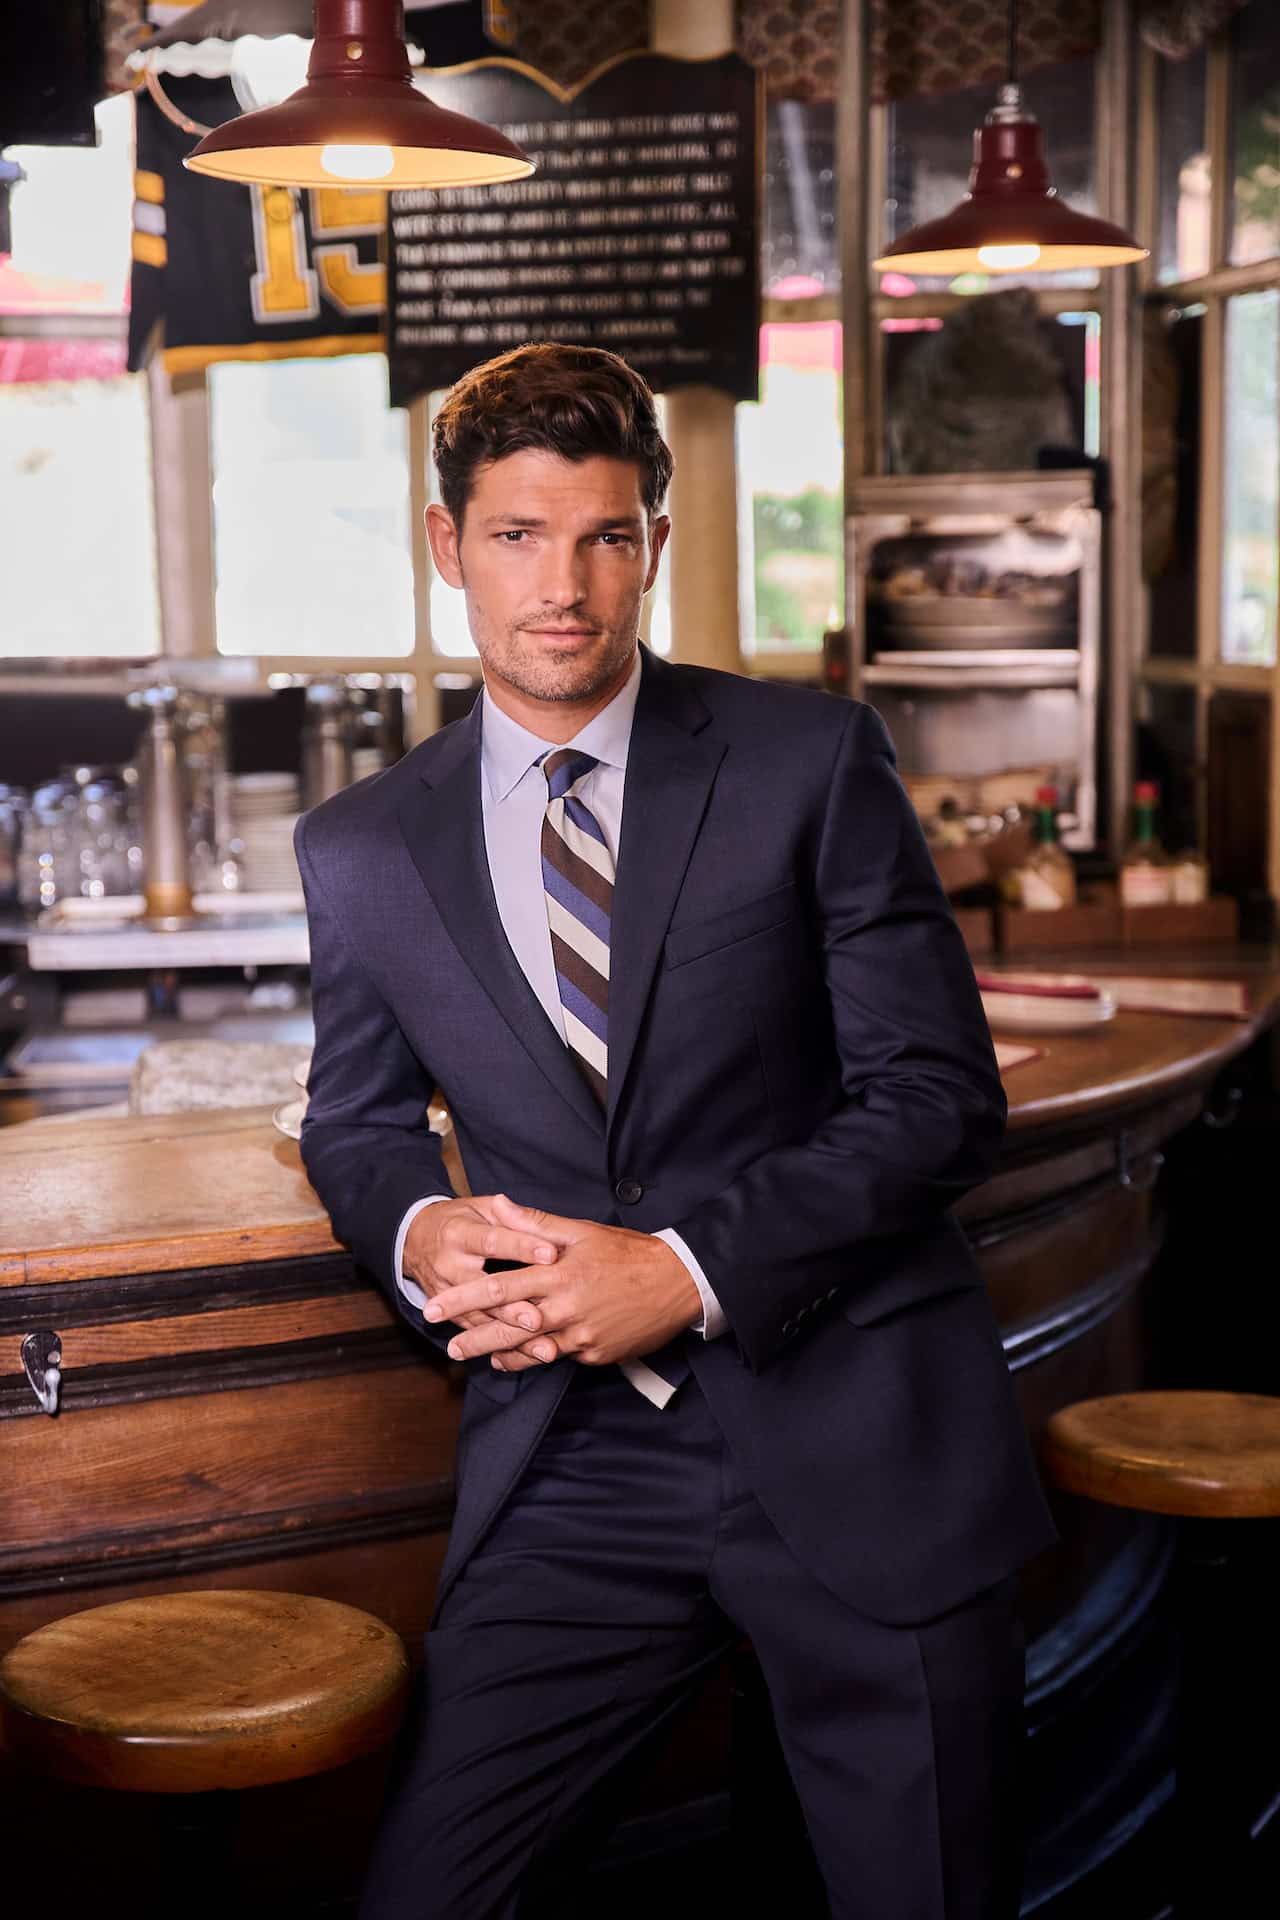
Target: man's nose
564,581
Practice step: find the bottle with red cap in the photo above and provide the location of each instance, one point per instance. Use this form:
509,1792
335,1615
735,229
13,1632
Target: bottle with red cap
1146,877
1048,878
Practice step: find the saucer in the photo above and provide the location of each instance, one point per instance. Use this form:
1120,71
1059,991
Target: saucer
1038,1013
288,1118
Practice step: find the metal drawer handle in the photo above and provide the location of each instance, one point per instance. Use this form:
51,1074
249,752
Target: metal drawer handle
1139,1178
1226,1112
42,1362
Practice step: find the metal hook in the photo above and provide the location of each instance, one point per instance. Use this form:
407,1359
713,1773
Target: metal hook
42,1363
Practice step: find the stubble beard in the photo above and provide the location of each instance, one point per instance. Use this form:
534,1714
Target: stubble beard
515,657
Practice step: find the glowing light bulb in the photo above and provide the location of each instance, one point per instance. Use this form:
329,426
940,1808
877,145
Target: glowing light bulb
358,163
1002,259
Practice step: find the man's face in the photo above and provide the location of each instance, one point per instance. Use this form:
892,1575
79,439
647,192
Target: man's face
555,557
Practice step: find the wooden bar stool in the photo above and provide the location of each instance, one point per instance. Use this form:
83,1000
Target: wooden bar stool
202,1693
1205,1458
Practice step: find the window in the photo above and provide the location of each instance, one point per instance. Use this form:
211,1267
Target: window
798,250
1254,207
790,467
1251,468
79,571
77,536
310,509
1183,245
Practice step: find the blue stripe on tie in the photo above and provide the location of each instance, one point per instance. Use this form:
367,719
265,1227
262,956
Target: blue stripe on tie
564,776
586,1010
574,902
582,816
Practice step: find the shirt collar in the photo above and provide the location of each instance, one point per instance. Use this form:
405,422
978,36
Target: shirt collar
508,750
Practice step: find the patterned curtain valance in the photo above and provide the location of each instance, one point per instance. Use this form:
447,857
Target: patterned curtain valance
917,46
567,39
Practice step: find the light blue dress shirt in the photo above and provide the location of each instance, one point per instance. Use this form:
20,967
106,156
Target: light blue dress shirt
514,800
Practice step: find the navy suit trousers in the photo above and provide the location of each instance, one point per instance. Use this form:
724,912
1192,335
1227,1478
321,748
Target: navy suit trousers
629,1557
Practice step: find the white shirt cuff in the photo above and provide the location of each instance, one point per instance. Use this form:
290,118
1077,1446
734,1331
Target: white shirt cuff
713,1322
410,1288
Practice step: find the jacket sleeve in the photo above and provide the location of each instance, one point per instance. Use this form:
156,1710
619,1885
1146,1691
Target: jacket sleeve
923,1108
366,1144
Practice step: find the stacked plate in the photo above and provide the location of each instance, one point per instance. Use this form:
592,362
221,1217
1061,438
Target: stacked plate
264,809
1044,1002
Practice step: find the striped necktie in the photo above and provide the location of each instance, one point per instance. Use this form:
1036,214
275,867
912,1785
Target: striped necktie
577,883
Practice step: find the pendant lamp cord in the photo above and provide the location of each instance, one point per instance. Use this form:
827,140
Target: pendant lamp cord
1013,43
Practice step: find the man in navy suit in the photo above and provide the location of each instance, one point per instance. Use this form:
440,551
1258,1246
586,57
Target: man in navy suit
671,945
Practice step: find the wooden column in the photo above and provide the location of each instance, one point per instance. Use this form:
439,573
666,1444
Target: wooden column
1121,421
703,551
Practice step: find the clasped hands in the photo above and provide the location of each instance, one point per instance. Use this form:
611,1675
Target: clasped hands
592,1293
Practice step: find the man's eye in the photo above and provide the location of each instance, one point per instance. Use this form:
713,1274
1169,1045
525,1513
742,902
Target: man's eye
512,534
617,539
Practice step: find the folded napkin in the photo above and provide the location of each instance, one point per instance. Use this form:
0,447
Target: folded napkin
1132,993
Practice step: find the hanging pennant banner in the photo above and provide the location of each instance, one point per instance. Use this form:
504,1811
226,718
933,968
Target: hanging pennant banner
245,273
639,231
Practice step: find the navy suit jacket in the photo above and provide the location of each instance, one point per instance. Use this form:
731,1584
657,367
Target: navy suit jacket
801,1082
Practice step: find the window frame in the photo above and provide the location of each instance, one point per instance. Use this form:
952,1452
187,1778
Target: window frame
1207,674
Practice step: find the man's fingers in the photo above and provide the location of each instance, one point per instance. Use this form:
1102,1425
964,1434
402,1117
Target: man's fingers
492,1242
494,1336
520,1313
535,1220
498,1295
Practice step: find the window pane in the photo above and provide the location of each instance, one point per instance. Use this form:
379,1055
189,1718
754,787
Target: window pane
76,519
799,255
1171,349
310,509
72,221
931,151
1183,246
790,463
1255,134
1251,462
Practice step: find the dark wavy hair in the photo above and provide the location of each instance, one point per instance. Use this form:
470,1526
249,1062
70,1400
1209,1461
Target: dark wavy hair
573,401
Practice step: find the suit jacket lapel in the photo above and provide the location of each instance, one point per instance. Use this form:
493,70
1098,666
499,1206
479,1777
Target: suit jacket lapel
670,771
443,827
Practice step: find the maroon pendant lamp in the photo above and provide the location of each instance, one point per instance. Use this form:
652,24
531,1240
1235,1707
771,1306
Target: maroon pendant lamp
1011,220
359,119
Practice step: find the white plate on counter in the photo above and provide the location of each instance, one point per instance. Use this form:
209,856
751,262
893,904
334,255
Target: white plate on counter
1039,1013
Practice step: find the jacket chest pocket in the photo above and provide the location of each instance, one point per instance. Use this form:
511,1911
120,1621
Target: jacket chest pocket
776,914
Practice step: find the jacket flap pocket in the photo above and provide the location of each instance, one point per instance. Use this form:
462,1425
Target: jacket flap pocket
771,909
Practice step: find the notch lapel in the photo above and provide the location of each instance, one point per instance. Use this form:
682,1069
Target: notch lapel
670,773
443,827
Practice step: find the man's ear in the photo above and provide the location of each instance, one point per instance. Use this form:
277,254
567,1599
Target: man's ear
445,539
659,528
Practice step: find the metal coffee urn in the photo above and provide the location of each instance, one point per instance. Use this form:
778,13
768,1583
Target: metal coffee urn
326,741
165,804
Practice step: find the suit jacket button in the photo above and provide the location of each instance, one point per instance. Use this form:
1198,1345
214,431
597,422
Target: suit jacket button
629,1191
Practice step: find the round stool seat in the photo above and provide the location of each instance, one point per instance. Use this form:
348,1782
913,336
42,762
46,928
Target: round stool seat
1200,1455
183,1692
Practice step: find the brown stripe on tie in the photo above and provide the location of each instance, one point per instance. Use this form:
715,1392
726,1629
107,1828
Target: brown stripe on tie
582,974
580,873
596,1081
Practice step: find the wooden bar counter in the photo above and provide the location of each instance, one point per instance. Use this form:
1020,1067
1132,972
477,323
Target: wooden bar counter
240,1407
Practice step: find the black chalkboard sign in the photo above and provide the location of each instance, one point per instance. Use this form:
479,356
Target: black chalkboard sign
639,231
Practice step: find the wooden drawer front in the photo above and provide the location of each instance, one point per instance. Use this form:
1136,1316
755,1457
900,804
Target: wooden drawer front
1036,1268
112,1483
171,1336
